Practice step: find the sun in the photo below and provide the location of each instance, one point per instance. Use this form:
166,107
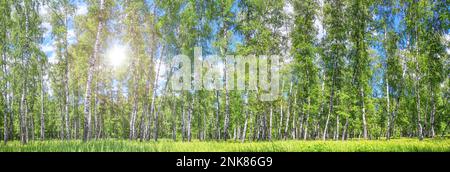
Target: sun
117,55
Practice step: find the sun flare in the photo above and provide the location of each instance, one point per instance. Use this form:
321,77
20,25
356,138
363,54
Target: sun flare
117,55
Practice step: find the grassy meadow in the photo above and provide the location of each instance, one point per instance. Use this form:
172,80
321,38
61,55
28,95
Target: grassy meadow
394,145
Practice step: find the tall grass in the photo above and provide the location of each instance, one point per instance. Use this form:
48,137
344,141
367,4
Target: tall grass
397,145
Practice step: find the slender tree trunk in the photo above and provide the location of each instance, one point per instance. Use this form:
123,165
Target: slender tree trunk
143,127
393,117
281,119
330,109
66,111
363,107
135,106
75,117
264,126
163,95
102,133
199,125
96,107
146,119
152,106
388,104
227,106
234,133
5,125
204,127
257,127
288,111
322,105
155,131
190,112
432,116
42,119
23,122
300,120
238,137
417,91
92,60
66,82
77,114
286,128
217,115
23,101
134,70
11,114
6,98
174,120
254,121
336,136
280,125
305,132
183,122
244,132
344,133
389,117
30,121
425,121
417,85
294,127
317,130
61,113
270,122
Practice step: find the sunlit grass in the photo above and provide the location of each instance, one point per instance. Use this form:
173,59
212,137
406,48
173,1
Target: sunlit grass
395,145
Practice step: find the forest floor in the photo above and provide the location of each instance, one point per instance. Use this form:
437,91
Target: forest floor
110,145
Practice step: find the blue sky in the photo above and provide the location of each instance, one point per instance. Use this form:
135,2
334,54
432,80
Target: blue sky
48,44
81,9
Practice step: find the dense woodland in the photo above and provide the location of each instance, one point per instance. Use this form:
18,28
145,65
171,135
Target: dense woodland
368,69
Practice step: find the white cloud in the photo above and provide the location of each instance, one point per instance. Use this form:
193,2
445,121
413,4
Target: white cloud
82,10
162,69
288,9
318,22
320,30
375,33
47,29
52,58
46,25
47,48
43,10
321,3
71,36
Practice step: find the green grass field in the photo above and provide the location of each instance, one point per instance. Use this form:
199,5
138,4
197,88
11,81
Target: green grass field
395,145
